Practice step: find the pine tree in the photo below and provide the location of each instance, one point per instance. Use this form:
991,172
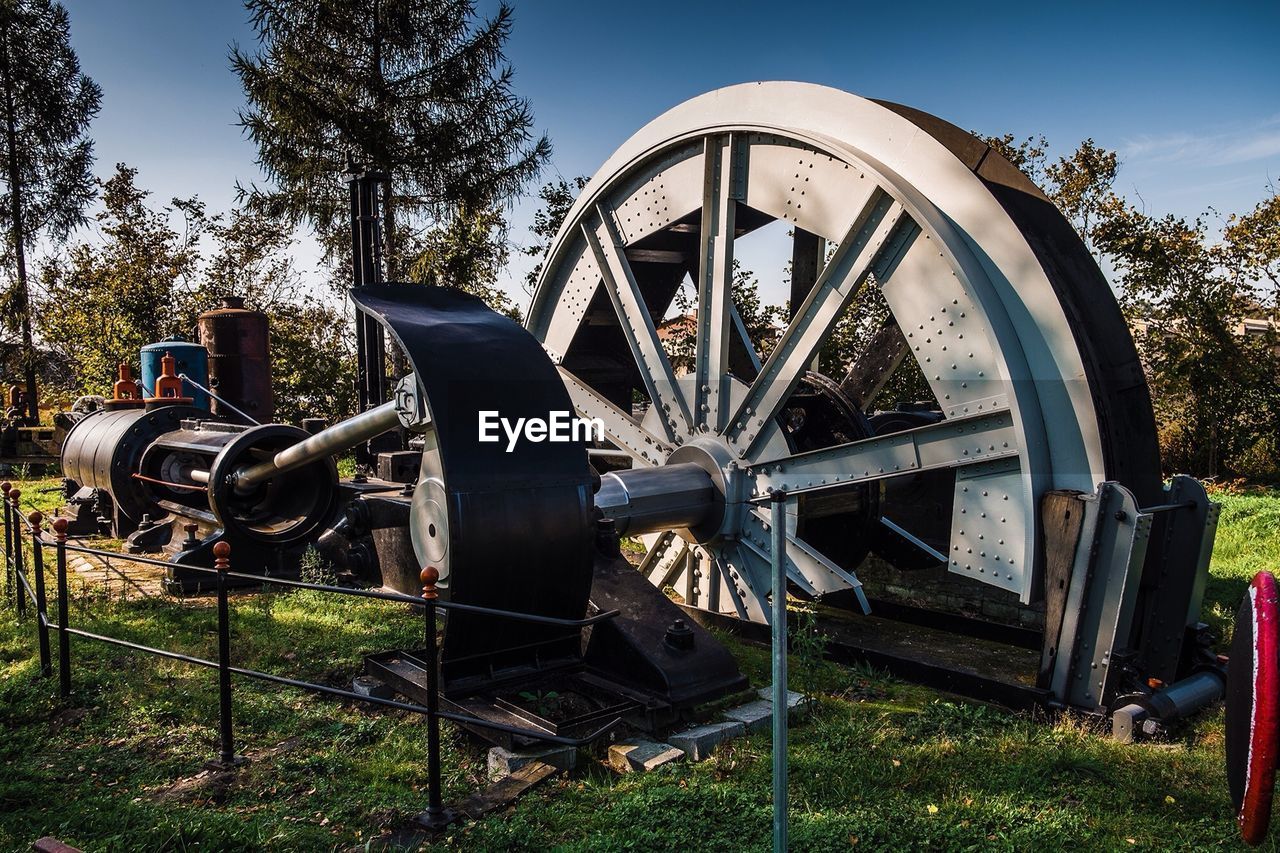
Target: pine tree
46,158
417,89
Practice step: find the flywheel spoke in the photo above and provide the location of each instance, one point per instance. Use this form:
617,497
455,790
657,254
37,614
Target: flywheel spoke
875,365
665,560
755,544
865,248
636,323
753,357
949,444
806,566
754,580
619,427
715,276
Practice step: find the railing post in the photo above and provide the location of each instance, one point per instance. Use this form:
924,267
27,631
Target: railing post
778,555
19,570
226,746
8,540
436,815
64,639
42,604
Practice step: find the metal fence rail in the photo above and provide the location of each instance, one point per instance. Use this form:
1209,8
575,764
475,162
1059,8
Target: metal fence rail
21,591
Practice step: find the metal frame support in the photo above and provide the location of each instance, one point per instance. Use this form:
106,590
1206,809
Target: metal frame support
19,566
1173,589
64,639
366,268
1127,605
1101,598
437,816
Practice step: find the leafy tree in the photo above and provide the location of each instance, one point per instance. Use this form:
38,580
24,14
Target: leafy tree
759,320
1214,387
1080,183
102,303
557,198
312,361
418,89
467,251
1252,242
47,157
1028,156
147,279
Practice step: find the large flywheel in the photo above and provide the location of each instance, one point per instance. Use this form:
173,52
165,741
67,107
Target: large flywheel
1034,378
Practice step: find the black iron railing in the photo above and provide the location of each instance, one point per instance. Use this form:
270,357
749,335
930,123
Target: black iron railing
23,588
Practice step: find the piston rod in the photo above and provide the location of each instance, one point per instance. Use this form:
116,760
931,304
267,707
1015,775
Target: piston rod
342,436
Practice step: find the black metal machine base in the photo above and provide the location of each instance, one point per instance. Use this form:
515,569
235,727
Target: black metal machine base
567,702
647,665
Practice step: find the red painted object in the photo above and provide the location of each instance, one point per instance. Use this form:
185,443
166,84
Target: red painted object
168,390
1253,708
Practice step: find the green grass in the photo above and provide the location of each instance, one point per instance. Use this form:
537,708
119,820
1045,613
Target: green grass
880,765
1248,542
43,494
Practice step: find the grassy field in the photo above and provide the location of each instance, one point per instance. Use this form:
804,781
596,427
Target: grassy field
879,765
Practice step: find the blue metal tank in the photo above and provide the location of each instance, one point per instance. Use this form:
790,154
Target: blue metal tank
189,358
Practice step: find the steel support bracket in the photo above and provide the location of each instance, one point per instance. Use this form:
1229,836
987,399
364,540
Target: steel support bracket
411,405
1101,600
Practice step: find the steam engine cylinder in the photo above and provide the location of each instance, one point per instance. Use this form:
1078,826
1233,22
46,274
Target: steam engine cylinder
239,360
105,449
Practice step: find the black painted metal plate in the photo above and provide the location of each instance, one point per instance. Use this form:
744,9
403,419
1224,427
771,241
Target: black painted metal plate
520,518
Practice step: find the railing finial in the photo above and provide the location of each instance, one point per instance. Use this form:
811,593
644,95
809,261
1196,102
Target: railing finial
430,576
222,556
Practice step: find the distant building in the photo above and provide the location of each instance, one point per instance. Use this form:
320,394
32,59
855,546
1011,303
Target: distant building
681,326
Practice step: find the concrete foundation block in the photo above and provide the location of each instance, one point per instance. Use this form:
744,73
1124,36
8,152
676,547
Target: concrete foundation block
698,741
757,716
797,703
504,762
640,756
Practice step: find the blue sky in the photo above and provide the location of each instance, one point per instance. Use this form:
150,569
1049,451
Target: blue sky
1189,94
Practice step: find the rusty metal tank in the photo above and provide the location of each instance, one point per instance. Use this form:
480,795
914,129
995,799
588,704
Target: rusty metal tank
239,360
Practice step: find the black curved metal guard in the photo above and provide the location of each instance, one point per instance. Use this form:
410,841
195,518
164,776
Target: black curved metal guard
520,519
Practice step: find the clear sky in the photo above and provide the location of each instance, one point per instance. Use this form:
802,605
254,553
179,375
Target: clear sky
1187,93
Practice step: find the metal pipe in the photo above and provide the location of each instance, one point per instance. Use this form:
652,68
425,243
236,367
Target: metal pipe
343,435
9,582
778,563
650,500
1184,698
19,567
1173,702
601,453
185,378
